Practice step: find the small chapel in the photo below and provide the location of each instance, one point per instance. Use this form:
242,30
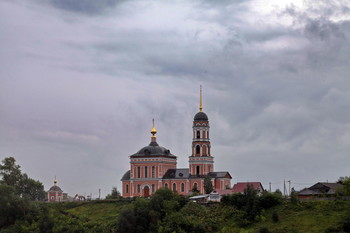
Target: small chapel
154,167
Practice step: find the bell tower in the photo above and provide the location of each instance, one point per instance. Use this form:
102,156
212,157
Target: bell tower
201,162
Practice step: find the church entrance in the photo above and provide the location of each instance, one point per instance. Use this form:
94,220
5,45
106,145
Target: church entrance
146,191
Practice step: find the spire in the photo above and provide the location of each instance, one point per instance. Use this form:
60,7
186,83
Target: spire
200,99
153,132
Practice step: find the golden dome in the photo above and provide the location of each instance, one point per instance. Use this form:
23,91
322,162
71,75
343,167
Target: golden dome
153,130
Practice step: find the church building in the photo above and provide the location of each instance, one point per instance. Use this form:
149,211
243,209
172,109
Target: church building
154,167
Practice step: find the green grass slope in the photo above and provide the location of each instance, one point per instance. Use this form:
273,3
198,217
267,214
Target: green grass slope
306,217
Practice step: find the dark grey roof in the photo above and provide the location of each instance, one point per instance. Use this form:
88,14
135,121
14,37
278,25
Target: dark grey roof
153,149
55,188
201,116
219,174
213,175
126,176
321,188
180,173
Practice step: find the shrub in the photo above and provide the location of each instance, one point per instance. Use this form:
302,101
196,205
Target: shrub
275,217
346,225
264,230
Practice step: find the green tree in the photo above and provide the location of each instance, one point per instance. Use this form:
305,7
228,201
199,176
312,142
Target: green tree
346,183
115,194
24,186
293,196
10,172
12,206
208,186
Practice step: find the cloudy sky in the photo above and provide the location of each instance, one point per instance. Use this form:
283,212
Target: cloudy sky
80,82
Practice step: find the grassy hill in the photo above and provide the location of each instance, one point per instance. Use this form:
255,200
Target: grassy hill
101,216
308,217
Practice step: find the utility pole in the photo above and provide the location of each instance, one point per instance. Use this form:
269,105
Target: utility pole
99,194
284,188
270,186
289,181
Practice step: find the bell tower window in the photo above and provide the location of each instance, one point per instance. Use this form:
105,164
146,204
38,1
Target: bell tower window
197,170
198,134
146,172
198,149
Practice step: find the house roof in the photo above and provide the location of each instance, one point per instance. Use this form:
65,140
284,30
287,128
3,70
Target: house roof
223,192
321,188
199,197
241,186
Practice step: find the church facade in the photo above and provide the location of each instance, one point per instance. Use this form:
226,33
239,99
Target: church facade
154,167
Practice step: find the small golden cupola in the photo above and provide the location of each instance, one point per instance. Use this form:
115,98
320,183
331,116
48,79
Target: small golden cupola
153,132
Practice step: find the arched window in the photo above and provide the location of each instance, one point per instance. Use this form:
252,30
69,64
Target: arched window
208,150
198,134
174,187
197,170
138,188
138,172
153,171
198,150
182,187
195,187
208,134
146,172
153,188
204,150
127,188
166,185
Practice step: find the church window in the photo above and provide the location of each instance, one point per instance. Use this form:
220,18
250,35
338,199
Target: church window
198,149
207,134
153,171
198,134
138,188
127,188
174,187
197,170
182,187
204,150
153,188
146,171
166,185
138,172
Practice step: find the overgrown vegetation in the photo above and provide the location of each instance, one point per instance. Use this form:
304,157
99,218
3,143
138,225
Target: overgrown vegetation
165,212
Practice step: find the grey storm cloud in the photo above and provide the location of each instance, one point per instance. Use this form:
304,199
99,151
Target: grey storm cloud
85,6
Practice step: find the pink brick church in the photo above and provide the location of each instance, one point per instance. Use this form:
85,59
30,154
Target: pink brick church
154,167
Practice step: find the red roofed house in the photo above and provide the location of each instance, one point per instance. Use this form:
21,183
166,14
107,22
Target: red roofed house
241,186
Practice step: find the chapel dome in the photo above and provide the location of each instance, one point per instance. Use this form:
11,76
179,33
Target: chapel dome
55,188
201,116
